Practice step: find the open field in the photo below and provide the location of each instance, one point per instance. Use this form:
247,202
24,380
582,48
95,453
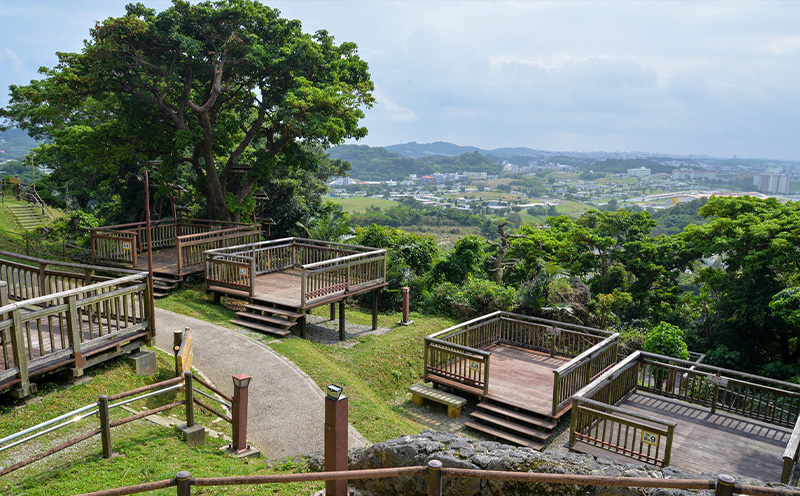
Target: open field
360,204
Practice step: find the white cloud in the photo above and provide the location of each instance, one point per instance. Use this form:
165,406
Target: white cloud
783,45
392,111
8,56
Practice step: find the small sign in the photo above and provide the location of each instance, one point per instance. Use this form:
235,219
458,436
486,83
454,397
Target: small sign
243,271
718,381
650,438
185,355
126,245
474,365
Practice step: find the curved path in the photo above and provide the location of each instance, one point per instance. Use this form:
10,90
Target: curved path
286,409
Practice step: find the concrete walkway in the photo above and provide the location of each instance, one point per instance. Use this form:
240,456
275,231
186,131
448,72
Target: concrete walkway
286,407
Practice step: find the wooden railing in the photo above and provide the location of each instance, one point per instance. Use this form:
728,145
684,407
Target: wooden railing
791,454
746,395
592,350
326,268
124,243
46,332
30,277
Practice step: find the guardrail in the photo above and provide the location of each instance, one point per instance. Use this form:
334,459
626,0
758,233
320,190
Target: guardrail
68,327
458,353
791,454
640,437
326,268
123,243
435,476
103,407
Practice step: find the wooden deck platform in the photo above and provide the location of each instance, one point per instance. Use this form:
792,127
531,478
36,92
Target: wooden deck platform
523,378
712,443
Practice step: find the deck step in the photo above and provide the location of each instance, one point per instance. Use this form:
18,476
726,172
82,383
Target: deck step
275,311
506,436
510,425
263,328
229,292
266,318
516,415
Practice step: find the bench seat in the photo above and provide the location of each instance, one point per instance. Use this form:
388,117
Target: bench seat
420,392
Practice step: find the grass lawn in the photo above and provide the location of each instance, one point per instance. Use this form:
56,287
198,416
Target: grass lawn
360,204
82,468
10,231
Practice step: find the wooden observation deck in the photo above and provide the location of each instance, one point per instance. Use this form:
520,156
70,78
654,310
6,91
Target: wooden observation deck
285,278
664,411
178,245
524,370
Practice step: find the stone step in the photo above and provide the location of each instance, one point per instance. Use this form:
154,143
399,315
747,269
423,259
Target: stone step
539,422
263,328
506,436
509,425
266,319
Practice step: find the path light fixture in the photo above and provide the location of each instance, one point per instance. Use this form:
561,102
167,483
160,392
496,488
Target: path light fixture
334,392
241,381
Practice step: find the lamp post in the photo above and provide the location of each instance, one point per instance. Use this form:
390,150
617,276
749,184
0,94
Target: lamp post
241,383
335,438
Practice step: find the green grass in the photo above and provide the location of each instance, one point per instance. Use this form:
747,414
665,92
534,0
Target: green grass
375,371
82,469
360,204
10,231
193,301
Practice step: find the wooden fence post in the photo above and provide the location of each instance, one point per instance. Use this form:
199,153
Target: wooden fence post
726,485
434,475
18,349
668,447
105,425
183,481
188,390
74,330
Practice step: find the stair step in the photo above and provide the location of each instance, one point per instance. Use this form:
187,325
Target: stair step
266,318
522,417
273,310
505,435
259,327
507,424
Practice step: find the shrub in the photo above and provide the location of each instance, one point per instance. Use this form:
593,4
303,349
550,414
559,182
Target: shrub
666,339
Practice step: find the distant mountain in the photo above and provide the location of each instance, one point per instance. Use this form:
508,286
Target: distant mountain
15,144
419,150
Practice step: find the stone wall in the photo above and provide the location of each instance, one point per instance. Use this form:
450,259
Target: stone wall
458,452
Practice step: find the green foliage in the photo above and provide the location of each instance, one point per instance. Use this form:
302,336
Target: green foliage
473,298
332,224
206,89
666,339
465,259
76,227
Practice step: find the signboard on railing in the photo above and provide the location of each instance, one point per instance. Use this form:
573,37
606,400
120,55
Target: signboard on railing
474,365
243,271
185,355
650,438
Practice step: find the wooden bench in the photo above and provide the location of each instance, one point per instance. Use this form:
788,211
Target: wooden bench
419,392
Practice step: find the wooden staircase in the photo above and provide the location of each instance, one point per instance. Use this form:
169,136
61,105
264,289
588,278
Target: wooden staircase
163,284
270,318
512,424
28,216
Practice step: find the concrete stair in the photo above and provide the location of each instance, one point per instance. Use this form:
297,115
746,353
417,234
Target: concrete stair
511,424
267,318
28,216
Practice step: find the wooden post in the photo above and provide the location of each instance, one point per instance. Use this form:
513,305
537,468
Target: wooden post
375,310
18,349
151,298
486,375
184,483
556,388
552,333
335,439
241,385
726,485
434,476
573,421
42,288
341,321
253,275
333,311
74,331
105,425
714,396
188,391
668,447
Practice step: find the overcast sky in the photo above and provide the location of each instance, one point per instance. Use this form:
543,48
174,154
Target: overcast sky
669,77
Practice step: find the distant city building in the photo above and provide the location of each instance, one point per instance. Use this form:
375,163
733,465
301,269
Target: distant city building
475,175
694,175
772,183
639,172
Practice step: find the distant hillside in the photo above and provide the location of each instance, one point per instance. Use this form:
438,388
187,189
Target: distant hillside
15,144
380,164
621,166
420,150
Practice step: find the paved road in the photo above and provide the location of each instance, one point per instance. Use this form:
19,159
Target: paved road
285,406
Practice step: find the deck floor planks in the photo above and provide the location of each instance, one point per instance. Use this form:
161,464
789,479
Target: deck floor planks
523,378
165,261
716,443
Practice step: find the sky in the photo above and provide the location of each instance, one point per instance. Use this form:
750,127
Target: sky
713,78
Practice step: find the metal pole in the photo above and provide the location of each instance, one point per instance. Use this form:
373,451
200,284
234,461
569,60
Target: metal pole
434,478
152,301
188,391
336,443
105,425
726,485
184,483
241,385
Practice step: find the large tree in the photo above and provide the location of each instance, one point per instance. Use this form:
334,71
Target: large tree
215,91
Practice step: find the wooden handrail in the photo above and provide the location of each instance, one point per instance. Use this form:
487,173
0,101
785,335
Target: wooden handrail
791,453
